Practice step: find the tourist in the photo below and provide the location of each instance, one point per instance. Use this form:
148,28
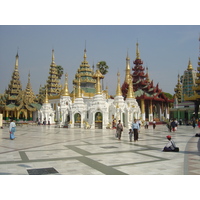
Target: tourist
193,123
169,126
114,124
135,129
154,124
119,129
12,129
173,125
130,134
146,125
199,123
49,121
170,145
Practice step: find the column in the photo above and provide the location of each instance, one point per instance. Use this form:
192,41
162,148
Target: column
150,111
143,109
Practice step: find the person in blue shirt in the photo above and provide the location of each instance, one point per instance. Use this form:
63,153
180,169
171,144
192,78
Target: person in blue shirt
135,128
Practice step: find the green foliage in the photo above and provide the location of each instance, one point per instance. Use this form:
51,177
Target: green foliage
168,95
60,71
103,67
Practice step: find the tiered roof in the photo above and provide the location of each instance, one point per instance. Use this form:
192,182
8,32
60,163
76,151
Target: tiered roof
15,98
53,86
87,82
143,87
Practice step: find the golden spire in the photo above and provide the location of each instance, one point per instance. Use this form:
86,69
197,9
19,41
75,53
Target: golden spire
53,57
189,65
74,94
127,69
137,51
98,76
148,79
65,90
85,56
130,93
29,94
78,94
16,62
118,91
46,97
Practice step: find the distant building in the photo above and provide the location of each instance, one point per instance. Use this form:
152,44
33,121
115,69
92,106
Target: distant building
195,98
16,103
152,101
185,95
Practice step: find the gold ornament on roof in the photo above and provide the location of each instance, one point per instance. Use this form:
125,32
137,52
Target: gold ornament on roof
97,75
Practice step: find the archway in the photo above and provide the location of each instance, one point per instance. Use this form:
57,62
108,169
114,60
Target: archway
77,120
98,120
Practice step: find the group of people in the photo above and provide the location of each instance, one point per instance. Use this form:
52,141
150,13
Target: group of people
172,125
134,132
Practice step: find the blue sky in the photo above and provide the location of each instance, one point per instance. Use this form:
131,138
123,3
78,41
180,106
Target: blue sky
165,50
109,29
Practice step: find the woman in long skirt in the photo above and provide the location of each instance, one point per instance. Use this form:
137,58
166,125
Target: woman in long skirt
12,130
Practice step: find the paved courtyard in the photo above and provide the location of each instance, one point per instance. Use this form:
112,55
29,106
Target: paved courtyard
62,151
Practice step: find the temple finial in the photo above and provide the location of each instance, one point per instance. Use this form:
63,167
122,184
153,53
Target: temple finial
85,56
53,57
16,61
79,93
130,93
118,91
128,70
137,51
46,97
189,65
65,90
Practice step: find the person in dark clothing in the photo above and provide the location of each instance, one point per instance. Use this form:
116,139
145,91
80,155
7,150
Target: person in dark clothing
173,125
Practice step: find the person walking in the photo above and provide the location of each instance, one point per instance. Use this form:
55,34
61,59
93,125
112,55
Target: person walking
130,134
135,129
146,124
119,130
173,125
12,129
154,124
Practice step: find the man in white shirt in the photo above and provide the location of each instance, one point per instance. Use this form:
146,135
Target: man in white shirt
170,146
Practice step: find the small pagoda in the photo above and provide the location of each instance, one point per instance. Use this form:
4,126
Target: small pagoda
152,101
53,86
16,103
87,82
196,89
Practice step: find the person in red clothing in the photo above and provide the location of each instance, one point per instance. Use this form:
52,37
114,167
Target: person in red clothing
199,123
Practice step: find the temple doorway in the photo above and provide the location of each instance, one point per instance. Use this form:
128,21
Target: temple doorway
77,120
98,120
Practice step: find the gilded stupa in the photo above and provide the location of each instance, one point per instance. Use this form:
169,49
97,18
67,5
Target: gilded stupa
178,90
87,82
53,86
196,88
17,103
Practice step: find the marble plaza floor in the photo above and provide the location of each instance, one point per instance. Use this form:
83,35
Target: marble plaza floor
62,151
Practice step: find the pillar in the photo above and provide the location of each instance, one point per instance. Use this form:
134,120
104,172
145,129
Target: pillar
6,118
143,109
150,111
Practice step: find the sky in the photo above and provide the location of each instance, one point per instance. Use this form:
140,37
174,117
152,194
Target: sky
164,49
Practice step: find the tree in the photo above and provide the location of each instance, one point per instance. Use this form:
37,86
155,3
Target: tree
103,68
60,71
168,95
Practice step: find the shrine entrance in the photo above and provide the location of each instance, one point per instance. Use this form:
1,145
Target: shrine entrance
98,120
77,120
